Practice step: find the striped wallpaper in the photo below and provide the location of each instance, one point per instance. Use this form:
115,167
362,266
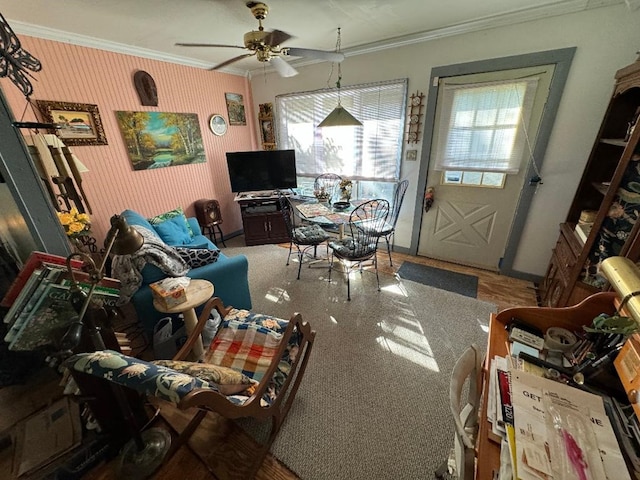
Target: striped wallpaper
84,75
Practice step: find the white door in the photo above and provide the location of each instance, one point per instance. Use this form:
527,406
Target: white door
473,209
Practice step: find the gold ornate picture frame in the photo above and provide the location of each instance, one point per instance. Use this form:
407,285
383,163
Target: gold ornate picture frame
267,127
80,122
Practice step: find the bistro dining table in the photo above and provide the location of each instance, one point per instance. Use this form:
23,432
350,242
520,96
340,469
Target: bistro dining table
325,216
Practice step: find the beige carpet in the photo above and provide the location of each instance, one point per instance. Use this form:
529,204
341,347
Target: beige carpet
374,400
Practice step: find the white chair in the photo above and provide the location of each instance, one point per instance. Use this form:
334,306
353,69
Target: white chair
465,416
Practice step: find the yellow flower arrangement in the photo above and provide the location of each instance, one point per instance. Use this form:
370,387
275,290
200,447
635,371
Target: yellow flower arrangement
75,223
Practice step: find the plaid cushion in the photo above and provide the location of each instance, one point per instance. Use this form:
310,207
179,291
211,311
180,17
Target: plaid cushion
247,342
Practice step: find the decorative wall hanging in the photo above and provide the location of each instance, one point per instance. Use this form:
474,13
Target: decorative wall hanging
156,139
217,125
146,88
235,109
15,62
415,117
77,123
267,128
60,171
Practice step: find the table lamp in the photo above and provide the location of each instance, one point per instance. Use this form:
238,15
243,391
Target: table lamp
146,450
121,239
624,277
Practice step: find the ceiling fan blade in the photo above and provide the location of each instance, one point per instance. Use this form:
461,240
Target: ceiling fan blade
318,54
276,37
206,45
283,68
232,60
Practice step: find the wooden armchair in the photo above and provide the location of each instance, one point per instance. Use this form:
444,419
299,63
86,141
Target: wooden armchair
260,386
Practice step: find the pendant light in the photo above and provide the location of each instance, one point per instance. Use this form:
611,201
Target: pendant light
339,117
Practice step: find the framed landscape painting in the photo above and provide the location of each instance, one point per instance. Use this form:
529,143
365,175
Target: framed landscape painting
157,140
79,123
235,109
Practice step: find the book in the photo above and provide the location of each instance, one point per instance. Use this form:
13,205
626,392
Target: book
34,280
28,290
48,275
51,317
35,260
504,387
83,277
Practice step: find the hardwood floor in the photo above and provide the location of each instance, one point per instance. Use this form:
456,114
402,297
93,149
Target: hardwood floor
503,291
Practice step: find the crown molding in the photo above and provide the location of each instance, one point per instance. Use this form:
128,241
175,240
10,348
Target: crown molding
517,16
523,15
101,44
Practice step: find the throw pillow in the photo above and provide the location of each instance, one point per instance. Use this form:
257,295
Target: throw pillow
227,380
173,232
176,212
198,257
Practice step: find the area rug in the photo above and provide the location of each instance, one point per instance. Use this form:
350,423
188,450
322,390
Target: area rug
461,283
374,400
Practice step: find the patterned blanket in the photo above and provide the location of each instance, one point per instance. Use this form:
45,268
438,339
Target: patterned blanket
128,268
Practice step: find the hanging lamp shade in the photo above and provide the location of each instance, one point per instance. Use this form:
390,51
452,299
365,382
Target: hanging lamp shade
340,117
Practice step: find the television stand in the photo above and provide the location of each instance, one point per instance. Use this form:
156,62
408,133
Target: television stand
262,219
262,194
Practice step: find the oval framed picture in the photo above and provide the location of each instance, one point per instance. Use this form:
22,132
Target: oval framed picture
217,124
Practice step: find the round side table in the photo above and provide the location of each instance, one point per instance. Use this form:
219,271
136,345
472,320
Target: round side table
198,292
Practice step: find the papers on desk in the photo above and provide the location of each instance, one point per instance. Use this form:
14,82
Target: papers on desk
559,432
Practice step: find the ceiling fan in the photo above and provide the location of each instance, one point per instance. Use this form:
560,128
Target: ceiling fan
265,46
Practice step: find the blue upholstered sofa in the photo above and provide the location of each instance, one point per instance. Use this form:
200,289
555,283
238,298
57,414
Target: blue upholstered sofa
229,275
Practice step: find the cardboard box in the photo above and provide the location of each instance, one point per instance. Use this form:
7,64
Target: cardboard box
169,292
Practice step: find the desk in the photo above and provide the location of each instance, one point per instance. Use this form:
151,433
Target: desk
488,446
198,292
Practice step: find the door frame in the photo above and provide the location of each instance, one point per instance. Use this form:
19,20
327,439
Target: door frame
562,59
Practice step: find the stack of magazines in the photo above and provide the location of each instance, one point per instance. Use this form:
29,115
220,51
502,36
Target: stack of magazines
38,301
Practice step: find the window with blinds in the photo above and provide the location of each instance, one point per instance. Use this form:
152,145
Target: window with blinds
368,153
482,128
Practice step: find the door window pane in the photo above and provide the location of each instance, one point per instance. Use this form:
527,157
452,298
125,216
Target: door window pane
482,126
473,179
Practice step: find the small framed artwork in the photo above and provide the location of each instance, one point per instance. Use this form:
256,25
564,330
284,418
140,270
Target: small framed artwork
266,110
235,109
80,123
266,128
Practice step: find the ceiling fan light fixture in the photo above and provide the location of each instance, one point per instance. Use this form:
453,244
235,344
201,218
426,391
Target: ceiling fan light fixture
265,45
340,117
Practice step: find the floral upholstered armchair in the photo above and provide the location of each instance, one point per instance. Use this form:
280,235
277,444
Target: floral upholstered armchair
253,368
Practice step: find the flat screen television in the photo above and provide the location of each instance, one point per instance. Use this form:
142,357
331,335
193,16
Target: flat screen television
262,170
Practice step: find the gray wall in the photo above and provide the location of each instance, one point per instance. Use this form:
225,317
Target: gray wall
606,40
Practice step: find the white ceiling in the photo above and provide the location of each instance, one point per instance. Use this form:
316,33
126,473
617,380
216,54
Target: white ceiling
150,28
